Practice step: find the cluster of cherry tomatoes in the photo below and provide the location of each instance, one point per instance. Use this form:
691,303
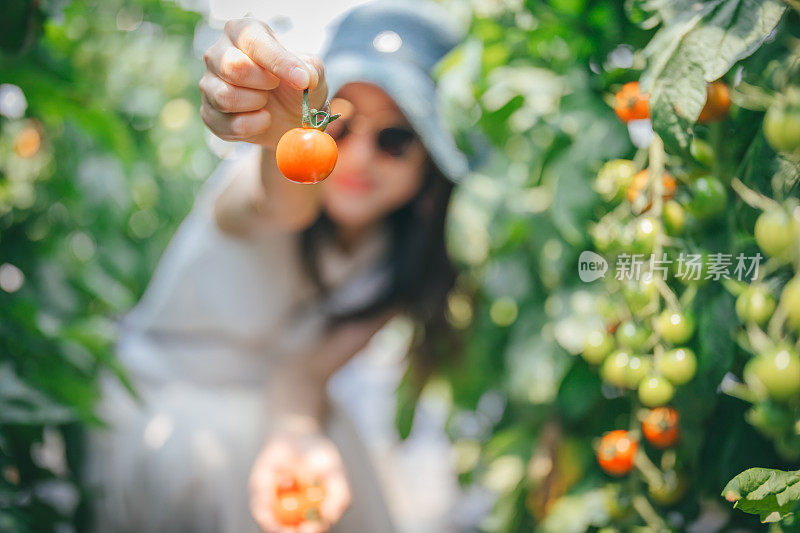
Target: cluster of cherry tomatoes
645,342
618,453
297,502
769,311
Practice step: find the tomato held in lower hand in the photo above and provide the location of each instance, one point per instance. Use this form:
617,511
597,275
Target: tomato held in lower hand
290,508
297,502
616,452
660,427
308,154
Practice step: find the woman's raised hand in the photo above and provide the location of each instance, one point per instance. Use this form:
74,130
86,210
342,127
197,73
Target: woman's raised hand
252,88
298,484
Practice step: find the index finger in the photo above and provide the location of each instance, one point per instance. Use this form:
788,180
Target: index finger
257,40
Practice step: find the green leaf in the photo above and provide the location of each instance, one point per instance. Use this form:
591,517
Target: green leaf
22,404
771,494
696,47
580,391
407,395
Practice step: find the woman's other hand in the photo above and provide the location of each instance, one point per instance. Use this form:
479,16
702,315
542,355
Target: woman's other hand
252,88
299,463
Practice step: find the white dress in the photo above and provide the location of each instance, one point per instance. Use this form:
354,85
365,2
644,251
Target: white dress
216,316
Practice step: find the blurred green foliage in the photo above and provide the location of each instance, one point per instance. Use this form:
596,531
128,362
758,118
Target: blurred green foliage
538,78
99,162
102,151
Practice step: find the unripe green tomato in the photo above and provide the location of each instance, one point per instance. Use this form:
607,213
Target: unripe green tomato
769,418
675,327
605,236
674,217
632,335
776,372
776,233
702,152
755,304
782,128
678,365
615,368
671,491
790,300
613,178
655,391
696,277
639,367
647,230
597,346
709,198
640,294
503,311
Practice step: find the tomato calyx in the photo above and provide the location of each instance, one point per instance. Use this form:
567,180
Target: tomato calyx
317,118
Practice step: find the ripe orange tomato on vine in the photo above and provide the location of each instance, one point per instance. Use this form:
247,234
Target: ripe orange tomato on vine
661,427
307,154
640,182
616,452
718,102
631,103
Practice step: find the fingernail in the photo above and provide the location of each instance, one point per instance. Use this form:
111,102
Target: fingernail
299,77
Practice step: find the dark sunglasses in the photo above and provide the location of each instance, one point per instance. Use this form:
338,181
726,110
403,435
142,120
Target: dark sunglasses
393,140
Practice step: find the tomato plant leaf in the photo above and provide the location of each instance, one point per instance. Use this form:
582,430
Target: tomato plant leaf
696,47
21,403
771,494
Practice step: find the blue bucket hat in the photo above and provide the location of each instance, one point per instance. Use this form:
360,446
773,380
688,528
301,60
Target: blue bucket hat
395,45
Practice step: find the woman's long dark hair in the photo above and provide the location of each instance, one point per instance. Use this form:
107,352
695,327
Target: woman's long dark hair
421,272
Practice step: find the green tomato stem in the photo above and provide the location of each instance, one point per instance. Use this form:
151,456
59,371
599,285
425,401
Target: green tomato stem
648,514
311,117
650,471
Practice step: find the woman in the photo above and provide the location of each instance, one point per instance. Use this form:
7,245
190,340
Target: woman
270,286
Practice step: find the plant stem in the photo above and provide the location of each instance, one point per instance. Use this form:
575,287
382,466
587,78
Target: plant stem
306,113
648,514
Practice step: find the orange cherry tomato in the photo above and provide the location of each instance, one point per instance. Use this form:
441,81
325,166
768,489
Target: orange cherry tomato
718,103
640,181
306,155
297,502
616,452
290,508
661,427
315,495
631,104
27,143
